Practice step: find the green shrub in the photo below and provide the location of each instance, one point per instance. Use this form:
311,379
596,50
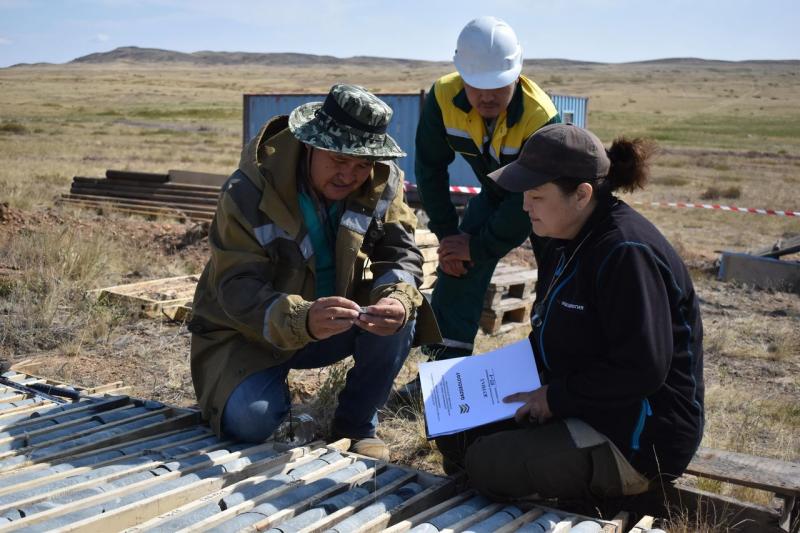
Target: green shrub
13,127
671,181
715,193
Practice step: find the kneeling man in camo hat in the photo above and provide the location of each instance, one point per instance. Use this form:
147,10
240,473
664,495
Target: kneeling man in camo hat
317,195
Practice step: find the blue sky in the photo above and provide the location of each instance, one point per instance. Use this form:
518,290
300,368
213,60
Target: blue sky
595,30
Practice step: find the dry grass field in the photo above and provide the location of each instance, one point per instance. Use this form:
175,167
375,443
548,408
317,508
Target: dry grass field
728,131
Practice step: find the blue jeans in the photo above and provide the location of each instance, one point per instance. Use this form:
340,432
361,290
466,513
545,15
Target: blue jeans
259,403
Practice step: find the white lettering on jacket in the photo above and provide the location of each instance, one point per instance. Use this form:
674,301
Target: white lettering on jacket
577,307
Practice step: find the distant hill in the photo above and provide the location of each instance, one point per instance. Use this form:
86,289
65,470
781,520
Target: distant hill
135,54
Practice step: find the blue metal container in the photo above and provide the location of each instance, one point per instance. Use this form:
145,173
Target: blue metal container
259,108
571,108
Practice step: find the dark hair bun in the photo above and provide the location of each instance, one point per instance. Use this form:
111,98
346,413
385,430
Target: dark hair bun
630,163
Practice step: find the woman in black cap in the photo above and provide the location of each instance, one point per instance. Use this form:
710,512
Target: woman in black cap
616,333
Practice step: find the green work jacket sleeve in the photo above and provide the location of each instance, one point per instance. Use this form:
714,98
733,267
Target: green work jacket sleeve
506,228
243,279
433,155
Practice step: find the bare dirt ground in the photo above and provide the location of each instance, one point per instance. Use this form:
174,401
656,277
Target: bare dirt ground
734,128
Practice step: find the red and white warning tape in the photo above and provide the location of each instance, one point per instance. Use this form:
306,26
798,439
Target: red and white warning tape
465,190
453,188
733,208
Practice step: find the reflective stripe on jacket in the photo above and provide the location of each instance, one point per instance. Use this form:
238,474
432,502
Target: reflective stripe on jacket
450,125
251,303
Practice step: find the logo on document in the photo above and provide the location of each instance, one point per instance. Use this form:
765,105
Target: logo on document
463,407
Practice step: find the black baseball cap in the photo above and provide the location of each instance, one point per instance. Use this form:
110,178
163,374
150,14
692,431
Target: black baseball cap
555,151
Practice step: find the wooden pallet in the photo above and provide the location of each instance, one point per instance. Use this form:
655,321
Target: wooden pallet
151,297
509,311
510,282
782,478
178,313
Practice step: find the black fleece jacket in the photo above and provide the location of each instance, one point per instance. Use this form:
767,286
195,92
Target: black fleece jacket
619,338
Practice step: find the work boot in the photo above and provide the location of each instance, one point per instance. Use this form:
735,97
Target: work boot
371,447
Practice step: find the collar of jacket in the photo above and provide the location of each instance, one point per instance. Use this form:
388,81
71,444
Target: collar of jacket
601,211
513,112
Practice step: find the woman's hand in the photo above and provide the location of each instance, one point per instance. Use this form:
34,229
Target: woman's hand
534,408
331,315
384,318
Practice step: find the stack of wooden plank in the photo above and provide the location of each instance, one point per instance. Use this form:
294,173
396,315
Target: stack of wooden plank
181,194
508,299
428,243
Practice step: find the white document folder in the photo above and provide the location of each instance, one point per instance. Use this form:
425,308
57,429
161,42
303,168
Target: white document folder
467,392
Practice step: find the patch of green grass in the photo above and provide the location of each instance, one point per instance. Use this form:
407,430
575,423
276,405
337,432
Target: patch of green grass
670,181
159,131
699,130
208,113
717,125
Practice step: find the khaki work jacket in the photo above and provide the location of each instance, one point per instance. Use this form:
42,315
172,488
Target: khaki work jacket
251,303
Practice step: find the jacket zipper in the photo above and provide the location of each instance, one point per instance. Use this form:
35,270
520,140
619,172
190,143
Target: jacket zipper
637,432
549,304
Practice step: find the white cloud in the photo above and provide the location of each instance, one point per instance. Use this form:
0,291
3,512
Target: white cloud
3,41
101,38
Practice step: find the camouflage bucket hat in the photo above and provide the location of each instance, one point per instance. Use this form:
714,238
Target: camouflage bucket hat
351,121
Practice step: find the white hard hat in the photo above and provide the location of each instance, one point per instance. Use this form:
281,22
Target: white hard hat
488,54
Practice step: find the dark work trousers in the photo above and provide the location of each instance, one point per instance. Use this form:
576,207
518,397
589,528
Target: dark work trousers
258,405
506,461
458,301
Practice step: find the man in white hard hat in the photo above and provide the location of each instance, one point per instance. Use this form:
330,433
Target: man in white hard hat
485,112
